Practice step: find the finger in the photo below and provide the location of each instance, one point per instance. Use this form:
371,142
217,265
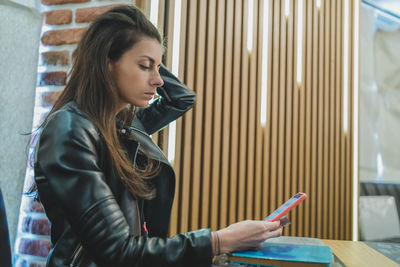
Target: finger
259,245
276,233
273,225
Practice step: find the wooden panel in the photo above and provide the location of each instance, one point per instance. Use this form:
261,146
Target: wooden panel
314,123
168,33
290,84
252,60
301,136
226,111
273,123
144,5
295,121
189,71
281,88
258,163
208,105
342,180
229,167
350,120
308,55
267,129
320,119
243,123
338,122
325,219
161,16
236,59
179,156
331,117
217,115
162,137
201,9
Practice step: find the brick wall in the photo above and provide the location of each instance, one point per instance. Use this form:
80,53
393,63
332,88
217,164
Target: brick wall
64,23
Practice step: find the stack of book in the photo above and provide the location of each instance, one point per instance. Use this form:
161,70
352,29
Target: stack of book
287,252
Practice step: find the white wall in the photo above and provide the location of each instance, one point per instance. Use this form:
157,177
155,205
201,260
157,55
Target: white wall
20,26
379,97
368,96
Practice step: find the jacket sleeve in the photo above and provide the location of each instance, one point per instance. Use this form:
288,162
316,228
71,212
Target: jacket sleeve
67,157
175,99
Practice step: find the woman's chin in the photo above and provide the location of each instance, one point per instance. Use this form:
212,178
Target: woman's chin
143,104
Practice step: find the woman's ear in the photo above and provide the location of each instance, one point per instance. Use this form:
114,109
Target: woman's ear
110,66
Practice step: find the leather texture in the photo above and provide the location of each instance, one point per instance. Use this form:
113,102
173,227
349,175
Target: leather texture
95,221
5,249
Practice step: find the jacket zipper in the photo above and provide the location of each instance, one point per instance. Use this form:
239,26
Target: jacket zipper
136,153
75,256
140,131
146,134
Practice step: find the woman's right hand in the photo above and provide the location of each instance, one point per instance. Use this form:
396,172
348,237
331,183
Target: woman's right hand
245,235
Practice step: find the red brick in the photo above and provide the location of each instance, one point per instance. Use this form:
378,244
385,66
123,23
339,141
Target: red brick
29,204
20,263
55,58
49,98
24,263
61,2
57,17
25,224
39,248
89,14
53,78
40,227
60,37
35,226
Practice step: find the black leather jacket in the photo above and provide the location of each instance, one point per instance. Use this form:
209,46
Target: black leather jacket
5,250
95,221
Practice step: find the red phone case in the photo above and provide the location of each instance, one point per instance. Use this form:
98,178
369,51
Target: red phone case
286,207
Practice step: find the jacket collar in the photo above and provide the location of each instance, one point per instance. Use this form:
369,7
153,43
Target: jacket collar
146,142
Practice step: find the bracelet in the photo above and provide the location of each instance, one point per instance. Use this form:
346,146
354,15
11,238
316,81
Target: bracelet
217,246
214,246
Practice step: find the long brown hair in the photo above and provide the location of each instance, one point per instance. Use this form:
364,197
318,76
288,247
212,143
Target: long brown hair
92,86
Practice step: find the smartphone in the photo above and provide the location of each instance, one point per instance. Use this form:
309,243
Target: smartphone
286,207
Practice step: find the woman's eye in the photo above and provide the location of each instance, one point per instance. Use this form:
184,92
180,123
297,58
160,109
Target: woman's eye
145,67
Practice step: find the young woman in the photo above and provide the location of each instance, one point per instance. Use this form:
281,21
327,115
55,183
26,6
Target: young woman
107,189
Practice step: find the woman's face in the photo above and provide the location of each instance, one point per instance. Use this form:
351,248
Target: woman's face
136,73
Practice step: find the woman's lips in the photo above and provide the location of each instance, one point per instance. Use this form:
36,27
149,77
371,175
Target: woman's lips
149,95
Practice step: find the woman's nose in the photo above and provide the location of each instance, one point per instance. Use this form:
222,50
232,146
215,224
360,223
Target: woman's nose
157,80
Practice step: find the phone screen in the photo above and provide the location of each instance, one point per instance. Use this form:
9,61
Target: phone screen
286,207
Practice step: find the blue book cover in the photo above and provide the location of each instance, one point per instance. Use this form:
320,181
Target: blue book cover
287,252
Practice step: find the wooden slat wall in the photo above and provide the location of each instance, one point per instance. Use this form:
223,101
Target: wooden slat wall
229,167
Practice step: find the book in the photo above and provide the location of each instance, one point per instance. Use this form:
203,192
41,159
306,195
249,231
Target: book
286,252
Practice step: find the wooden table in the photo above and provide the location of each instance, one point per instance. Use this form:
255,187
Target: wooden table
347,254
358,254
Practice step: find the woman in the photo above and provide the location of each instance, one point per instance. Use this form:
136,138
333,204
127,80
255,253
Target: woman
106,187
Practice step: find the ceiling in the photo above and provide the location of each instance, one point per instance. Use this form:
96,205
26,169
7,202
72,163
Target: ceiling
391,6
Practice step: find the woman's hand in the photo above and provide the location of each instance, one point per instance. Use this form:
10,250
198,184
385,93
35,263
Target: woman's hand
245,235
